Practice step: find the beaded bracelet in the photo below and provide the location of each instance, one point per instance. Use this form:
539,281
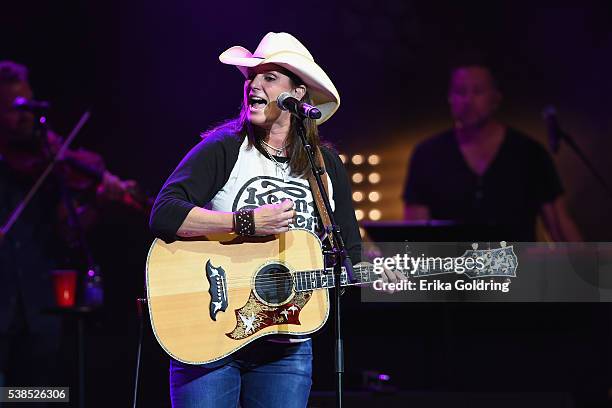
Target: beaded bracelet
244,222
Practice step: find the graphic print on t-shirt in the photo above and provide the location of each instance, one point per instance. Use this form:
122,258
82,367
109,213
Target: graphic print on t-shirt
262,190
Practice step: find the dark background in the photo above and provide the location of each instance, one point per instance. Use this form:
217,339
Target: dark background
150,75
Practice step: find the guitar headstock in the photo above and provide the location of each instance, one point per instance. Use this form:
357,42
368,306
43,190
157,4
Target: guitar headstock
500,261
485,263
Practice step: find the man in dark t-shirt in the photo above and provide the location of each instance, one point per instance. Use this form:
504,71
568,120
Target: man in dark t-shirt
483,173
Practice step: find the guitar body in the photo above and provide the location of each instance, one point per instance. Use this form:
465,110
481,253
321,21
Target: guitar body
209,298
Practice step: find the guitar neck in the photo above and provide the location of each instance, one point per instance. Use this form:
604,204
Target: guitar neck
496,262
324,278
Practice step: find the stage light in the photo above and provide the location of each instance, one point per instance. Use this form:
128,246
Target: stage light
359,214
342,158
374,196
374,214
374,178
357,196
357,159
357,178
374,159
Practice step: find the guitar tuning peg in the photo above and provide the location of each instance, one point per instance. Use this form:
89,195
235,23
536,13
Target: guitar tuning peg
502,244
474,246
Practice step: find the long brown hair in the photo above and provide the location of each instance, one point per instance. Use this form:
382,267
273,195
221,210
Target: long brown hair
298,159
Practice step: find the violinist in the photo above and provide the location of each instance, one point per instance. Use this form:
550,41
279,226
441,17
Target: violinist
36,243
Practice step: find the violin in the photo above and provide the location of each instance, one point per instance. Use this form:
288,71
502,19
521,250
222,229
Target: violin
80,170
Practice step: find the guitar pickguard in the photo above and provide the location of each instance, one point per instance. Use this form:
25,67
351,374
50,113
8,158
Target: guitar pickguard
255,315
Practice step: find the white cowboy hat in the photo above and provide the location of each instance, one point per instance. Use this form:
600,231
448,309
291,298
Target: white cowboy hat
286,51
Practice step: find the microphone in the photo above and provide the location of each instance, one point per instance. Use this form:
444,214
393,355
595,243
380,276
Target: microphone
555,134
303,110
30,105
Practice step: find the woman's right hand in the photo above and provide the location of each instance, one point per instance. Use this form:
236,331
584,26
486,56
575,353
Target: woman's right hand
273,218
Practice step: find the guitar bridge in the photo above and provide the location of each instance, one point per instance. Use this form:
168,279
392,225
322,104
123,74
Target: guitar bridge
217,289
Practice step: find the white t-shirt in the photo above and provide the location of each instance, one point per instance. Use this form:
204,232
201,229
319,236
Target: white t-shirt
256,180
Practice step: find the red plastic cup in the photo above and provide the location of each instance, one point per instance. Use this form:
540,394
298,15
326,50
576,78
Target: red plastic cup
64,285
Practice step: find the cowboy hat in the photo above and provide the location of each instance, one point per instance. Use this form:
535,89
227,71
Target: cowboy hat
285,50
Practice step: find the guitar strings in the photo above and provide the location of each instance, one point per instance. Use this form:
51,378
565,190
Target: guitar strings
330,273
274,284
273,279
305,273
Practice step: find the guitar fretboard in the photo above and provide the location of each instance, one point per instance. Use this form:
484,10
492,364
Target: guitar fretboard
324,278
497,262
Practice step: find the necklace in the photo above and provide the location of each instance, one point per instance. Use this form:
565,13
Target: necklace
279,152
279,166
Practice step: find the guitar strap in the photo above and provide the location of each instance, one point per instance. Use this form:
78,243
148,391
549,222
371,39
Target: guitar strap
318,198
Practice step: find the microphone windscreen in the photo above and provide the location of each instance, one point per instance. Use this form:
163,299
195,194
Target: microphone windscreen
280,101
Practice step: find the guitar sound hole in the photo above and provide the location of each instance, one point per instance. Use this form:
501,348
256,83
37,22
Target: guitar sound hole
273,284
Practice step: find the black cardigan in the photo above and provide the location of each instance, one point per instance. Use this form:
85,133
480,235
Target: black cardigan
206,169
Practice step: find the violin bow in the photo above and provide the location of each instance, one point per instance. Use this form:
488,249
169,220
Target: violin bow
26,200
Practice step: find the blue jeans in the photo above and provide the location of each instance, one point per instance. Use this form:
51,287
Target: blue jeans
262,375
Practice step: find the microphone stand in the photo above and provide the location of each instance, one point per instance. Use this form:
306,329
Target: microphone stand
81,242
340,257
574,146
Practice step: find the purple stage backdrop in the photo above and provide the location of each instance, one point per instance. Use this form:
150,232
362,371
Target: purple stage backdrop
149,71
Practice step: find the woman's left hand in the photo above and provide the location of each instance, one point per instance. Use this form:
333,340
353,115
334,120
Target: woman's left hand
392,276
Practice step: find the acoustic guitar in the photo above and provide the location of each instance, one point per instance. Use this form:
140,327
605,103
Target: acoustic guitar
210,297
